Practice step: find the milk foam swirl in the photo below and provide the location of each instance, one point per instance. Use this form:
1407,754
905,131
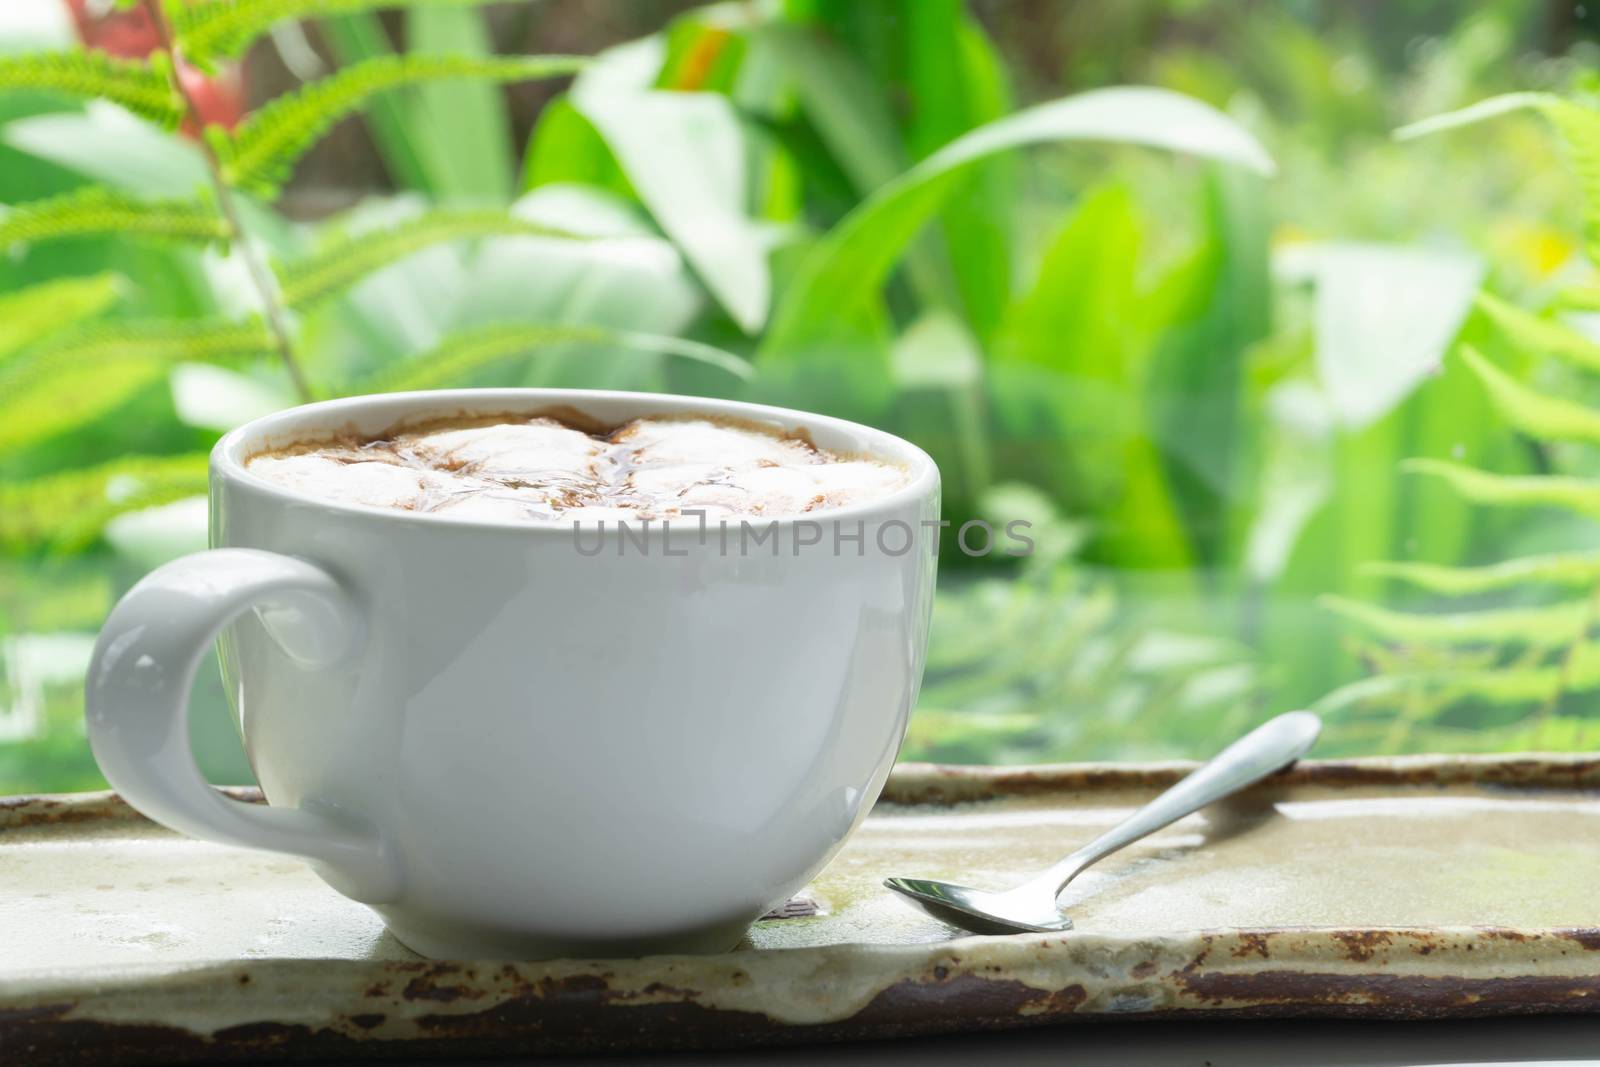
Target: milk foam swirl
541,469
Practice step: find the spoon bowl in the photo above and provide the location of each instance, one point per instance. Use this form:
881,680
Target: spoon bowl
1031,907
979,911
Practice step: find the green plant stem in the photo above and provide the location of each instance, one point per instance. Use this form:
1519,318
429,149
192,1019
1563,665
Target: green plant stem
260,276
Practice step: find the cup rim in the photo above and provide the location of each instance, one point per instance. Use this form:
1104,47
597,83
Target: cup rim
229,454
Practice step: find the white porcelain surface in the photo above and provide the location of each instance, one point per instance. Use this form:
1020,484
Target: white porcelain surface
507,747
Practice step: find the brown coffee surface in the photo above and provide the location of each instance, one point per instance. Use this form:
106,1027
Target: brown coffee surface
541,469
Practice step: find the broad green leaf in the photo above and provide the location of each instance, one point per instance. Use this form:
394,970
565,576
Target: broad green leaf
958,83
851,263
67,510
937,352
96,210
360,36
348,258
467,147
626,277
209,30
1527,490
684,154
83,375
1549,626
216,398
1542,417
842,103
462,355
36,27
260,154
31,314
1556,568
565,148
1540,337
141,87
1384,317
1067,382
1206,315
847,107
150,536
107,144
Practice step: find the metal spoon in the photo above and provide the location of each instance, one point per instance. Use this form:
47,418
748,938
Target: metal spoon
1032,905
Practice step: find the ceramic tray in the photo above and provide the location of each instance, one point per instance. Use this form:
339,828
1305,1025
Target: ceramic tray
1385,889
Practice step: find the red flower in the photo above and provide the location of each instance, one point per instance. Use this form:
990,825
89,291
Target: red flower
130,33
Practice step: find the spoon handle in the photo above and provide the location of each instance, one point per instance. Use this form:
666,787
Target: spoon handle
1269,747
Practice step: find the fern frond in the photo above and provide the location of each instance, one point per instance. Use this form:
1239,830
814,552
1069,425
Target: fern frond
1514,490
306,281
1511,686
208,30
31,314
1556,568
1577,124
98,210
67,511
1548,626
261,153
81,376
142,88
1529,333
1542,417
475,349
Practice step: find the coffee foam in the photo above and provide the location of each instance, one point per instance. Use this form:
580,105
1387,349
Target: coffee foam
541,469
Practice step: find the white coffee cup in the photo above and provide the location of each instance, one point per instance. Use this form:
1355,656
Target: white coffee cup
508,743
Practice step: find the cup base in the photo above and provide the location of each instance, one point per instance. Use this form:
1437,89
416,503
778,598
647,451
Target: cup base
445,941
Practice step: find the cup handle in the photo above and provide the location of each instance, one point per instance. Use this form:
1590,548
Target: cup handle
137,703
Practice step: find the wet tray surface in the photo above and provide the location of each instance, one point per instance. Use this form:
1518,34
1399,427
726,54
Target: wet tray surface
1409,888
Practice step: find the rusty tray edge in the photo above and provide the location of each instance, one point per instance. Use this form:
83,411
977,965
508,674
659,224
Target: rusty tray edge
942,783
191,1013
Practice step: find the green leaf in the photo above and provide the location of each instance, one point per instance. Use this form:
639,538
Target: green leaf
1548,626
1508,686
107,144
341,263
208,30
473,350
1556,568
1539,337
83,375
1578,125
564,148
1068,366
842,102
67,510
351,39
97,210
1384,316
467,147
850,264
1522,490
142,88
685,156
1542,417
31,314
261,153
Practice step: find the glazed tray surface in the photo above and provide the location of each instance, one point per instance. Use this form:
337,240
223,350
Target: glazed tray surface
1410,888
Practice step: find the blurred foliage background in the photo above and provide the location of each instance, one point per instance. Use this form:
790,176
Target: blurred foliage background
1302,412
